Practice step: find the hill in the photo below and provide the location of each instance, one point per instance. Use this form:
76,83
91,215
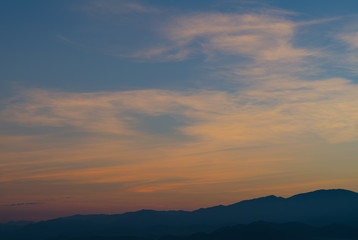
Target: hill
318,208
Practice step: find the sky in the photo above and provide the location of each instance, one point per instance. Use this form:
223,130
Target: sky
109,106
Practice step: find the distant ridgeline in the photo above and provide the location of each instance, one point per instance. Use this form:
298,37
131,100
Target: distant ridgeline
322,214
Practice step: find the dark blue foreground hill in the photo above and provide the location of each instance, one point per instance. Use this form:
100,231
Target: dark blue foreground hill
274,231
318,208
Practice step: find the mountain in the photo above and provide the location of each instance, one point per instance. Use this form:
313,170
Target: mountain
318,208
274,231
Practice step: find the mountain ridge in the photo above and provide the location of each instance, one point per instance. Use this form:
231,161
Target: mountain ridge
317,208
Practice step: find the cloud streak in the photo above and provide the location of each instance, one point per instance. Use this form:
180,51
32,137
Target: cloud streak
260,37
22,204
248,116
118,7
269,125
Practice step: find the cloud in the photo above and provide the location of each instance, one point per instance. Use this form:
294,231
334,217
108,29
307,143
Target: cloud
232,137
108,144
261,37
346,57
351,39
270,111
118,7
264,126
22,204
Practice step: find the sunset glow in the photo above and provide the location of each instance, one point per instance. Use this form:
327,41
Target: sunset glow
114,106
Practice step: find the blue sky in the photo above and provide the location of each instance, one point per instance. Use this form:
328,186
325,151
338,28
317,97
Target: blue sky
60,45
173,104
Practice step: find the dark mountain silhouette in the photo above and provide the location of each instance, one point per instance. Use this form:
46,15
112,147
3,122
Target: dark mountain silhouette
274,231
10,227
318,208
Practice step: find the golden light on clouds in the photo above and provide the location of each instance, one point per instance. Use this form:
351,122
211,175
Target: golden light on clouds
277,127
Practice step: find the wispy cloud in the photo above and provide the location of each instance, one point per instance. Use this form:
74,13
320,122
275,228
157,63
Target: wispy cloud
347,58
270,103
350,38
261,37
259,128
119,155
118,7
249,116
21,204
